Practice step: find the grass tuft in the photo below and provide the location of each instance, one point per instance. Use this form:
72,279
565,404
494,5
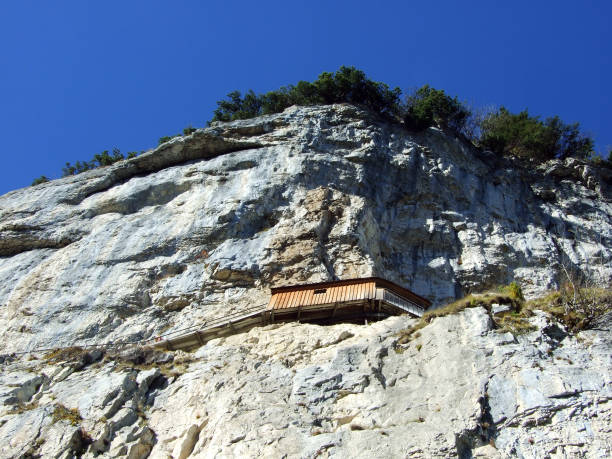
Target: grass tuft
61,413
576,309
485,300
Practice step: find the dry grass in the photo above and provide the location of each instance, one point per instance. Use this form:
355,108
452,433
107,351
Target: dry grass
23,407
66,354
577,310
485,300
61,413
146,357
516,323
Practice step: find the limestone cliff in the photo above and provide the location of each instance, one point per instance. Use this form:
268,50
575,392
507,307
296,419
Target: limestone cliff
205,224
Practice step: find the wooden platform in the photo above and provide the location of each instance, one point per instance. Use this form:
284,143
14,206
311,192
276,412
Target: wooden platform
355,311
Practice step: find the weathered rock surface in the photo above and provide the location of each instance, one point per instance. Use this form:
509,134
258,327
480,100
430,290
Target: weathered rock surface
460,389
206,223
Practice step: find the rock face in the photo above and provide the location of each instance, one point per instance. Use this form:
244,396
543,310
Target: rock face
206,223
460,389
203,225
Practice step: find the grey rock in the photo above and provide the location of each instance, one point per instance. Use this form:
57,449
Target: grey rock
203,225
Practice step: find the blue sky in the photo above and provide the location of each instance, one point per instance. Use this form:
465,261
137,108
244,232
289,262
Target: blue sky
79,77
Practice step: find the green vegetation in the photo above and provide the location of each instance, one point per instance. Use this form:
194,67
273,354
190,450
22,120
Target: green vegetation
524,136
187,131
347,84
577,309
517,135
432,107
485,300
514,291
507,134
39,180
99,160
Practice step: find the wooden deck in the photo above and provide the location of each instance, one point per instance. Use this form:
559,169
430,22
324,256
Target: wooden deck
328,303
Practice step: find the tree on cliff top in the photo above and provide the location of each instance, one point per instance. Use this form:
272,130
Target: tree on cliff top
345,85
428,106
527,137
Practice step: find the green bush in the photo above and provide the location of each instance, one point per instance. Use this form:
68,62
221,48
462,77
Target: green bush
39,180
432,107
525,136
187,131
514,291
165,139
345,85
99,160
519,135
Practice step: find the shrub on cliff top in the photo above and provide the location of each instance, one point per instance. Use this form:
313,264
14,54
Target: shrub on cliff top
519,135
527,137
347,84
39,180
99,160
427,107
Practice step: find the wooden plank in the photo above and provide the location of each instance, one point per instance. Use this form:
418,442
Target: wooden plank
317,298
313,297
273,301
297,301
302,298
344,293
356,288
279,301
334,294
362,291
309,297
328,295
289,296
356,292
338,295
283,301
296,298
321,297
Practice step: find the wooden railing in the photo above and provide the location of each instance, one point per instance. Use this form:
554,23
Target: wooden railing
402,303
212,323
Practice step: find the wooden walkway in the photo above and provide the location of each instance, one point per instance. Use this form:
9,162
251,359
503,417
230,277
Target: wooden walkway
222,326
243,321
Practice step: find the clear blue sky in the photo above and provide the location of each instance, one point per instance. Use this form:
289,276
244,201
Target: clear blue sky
79,77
